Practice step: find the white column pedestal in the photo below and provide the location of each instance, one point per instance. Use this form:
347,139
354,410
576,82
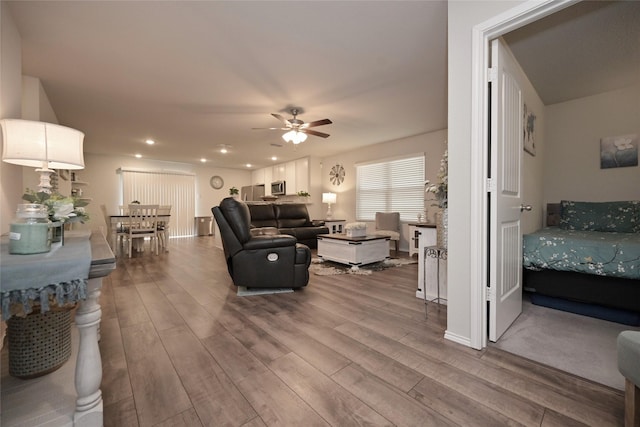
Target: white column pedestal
89,411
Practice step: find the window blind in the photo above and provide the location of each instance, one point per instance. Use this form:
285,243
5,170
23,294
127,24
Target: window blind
395,185
164,188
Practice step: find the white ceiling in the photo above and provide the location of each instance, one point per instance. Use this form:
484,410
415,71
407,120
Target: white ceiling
194,75
588,48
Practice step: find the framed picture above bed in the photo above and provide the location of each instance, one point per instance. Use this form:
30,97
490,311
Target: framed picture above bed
619,151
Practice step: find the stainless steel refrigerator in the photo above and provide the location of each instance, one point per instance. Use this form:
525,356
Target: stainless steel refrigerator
252,193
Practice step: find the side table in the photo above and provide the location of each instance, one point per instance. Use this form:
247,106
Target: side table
86,407
416,231
336,226
440,254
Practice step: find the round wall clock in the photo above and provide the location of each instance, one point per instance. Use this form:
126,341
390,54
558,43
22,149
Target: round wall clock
336,176
216,182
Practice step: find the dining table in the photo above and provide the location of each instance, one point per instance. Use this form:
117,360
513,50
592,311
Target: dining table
117,220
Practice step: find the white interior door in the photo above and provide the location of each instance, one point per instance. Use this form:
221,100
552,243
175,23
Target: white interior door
505,271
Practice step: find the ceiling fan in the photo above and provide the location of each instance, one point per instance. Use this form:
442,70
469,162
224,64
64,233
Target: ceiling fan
297,129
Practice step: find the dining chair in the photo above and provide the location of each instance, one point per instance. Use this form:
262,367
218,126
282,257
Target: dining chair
163,227
107,221
143,223
121,232
388,224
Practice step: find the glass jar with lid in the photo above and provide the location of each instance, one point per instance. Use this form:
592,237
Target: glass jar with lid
30,231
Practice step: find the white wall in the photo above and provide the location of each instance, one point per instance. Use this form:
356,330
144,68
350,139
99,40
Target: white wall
35,102
104,182
316,208
433,144
26,100
463,16
11,186
572,161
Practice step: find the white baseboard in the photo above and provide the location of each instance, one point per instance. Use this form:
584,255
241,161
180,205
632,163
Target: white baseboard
466,341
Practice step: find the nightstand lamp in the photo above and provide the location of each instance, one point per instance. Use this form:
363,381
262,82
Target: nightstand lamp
329,198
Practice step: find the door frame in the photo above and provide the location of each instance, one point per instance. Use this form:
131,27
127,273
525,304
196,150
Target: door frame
482,34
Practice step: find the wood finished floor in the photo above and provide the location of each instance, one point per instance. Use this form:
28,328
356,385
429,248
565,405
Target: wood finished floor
179,348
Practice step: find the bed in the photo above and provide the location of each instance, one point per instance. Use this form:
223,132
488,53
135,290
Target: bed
587,260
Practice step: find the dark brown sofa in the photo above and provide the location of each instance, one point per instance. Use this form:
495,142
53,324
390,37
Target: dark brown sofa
288,218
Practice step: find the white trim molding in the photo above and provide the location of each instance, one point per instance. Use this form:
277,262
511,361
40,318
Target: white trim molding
457,338
482,34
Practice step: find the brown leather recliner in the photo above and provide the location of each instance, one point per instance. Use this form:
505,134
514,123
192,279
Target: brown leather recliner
259,260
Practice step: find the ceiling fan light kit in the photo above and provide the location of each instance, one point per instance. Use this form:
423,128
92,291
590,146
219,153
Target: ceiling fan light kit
297,130
295,137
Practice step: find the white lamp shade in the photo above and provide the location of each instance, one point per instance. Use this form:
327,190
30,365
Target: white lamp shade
38,144
329,197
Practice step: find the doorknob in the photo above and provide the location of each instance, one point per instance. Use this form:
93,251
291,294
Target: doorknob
525,208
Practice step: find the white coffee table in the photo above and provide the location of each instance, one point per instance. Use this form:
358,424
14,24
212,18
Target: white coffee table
353,251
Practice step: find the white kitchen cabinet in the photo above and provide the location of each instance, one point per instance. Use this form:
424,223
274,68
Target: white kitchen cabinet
268,178
279,172
290,177
257,177
295,173
302,174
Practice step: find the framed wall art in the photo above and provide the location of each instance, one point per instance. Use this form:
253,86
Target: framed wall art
528,130
336,175
619,151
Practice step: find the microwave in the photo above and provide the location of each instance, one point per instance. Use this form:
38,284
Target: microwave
278,188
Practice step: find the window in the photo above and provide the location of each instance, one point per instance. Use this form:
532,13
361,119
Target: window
163,188
395,185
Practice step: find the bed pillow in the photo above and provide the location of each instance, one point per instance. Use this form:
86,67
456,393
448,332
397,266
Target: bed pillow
622,217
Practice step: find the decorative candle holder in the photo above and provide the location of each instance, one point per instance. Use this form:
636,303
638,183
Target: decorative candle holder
30,231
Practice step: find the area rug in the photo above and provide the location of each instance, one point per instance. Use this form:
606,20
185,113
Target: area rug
329,268
243,291
581,345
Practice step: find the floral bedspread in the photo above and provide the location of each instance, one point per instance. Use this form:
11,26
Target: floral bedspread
592,252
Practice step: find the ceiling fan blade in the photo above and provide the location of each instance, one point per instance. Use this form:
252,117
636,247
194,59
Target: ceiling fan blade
316,123
315,133
270,128
279,117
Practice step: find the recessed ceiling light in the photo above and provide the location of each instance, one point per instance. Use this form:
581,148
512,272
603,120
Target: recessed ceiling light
248,165
274,158
203,160
150,141
224,148
138,156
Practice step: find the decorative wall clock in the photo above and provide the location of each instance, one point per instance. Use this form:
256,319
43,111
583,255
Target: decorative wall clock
216,182
336,176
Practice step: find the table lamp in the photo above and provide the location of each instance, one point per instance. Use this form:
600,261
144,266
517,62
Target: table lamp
329,198
43,146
